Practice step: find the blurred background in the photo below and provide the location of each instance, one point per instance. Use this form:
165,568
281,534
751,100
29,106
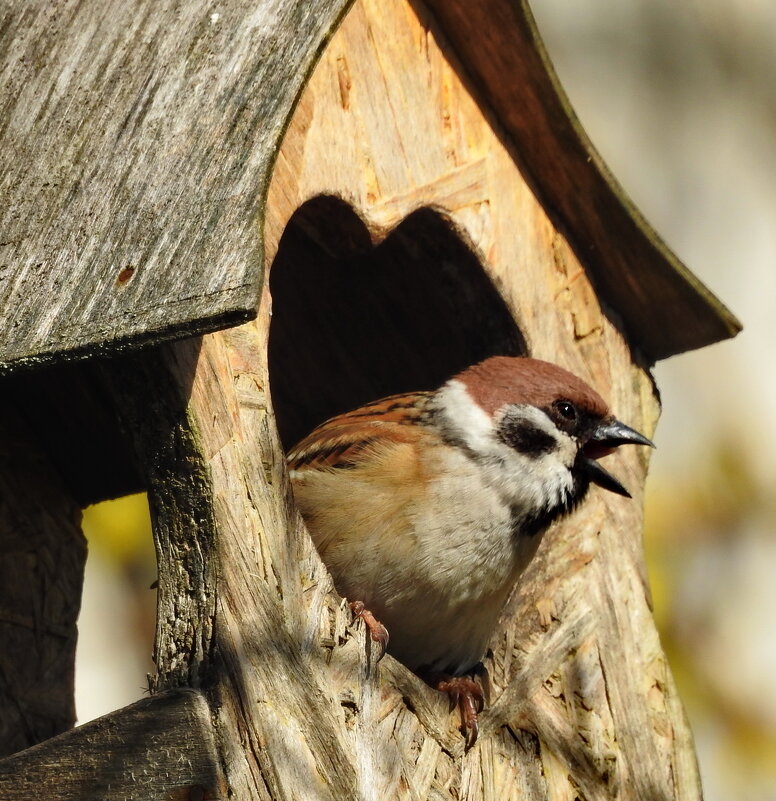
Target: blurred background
680,100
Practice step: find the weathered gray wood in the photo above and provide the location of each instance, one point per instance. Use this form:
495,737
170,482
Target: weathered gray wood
662,306
136,138
157,748
42,554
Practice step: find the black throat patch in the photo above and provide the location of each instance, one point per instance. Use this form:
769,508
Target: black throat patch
529,524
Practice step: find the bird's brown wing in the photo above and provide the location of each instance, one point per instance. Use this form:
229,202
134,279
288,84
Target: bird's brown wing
340,441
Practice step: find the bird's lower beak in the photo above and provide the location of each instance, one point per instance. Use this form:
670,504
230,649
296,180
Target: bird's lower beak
607,436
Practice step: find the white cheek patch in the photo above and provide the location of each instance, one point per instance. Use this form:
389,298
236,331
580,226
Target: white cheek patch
527,481
465,419
539,480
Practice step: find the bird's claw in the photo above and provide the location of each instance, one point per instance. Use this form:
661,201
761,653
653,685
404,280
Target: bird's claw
377,630
467,695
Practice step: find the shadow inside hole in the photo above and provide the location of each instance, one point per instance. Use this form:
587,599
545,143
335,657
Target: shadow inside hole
353,322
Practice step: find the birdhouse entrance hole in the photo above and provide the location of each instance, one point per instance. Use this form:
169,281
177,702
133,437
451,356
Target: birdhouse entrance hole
354,320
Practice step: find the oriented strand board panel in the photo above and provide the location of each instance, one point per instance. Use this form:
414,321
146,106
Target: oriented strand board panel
387,124
392,121
136,138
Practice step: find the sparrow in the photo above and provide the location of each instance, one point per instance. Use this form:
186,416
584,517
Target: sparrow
426,507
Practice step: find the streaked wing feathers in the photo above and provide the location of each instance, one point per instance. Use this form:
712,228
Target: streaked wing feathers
338,442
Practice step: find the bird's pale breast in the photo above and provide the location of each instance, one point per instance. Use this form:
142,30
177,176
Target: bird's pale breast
415,534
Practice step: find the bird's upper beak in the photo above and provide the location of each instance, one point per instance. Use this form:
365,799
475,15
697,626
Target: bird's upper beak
606,436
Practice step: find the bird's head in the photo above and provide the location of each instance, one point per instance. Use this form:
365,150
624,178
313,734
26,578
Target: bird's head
537,430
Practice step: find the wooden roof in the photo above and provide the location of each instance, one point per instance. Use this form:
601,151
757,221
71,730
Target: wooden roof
137,141
665,309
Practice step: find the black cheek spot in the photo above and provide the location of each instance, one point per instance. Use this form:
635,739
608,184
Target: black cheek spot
526,438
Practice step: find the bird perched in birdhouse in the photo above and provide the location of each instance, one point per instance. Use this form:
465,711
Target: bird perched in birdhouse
426,507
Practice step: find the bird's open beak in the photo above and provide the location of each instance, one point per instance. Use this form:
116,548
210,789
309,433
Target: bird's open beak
608,435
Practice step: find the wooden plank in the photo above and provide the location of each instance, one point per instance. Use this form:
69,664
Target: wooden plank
42,555
160,747
664,308
136,138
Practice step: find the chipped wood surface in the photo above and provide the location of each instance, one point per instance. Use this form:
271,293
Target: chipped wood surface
581,702
234,566
160,747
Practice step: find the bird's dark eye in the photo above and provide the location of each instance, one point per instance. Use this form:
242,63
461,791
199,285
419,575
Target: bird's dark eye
566,410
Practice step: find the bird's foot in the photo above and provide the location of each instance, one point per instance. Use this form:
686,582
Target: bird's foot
467,695
377,630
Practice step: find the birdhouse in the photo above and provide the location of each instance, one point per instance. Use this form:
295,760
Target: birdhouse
224,224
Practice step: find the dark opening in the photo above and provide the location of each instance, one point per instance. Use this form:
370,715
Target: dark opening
65,419
353,322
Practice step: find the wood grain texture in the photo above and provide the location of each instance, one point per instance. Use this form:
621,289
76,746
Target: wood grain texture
582,703
42,555
136,140
161,747
233,566
664,308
